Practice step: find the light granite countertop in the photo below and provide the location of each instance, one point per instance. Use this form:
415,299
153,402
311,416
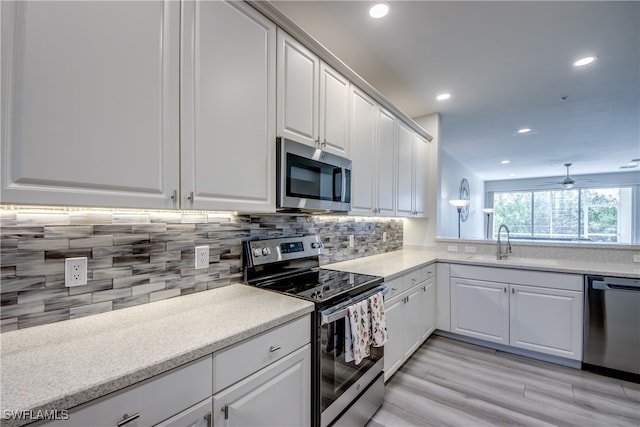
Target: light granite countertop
62,365
391,264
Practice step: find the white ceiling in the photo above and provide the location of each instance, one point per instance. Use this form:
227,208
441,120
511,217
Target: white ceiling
507,65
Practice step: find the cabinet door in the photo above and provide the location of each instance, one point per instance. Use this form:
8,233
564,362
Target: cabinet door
420,152
393,348
413,321
278,395
443,297
362,134
428,304
228,108
386,161
197,416
480,309
334,111
546,320
405,170
90,100
298,91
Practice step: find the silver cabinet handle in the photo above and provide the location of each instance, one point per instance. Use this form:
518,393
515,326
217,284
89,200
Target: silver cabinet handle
191,197
174,196
394,289
225,409
207,418
505,290
274,348
513,291
126,418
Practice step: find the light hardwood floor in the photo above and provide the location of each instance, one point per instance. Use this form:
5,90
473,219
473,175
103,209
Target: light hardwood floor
451,383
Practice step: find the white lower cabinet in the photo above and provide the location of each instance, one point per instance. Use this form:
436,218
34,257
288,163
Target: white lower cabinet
536,311
278,395
546,320
198,415
410,315
152,401
480,309
265,380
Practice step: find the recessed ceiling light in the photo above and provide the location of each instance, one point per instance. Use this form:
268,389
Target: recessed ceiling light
505,162
443,96
379,10
585,61
524,130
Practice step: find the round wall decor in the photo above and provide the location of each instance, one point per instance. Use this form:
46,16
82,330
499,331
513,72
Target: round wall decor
464,195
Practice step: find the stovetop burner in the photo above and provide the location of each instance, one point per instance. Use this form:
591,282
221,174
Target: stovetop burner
291,265
318,284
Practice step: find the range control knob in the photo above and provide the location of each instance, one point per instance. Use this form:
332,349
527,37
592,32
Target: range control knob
316,245
266,251
257,252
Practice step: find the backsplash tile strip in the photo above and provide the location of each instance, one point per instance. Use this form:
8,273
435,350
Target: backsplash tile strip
140,257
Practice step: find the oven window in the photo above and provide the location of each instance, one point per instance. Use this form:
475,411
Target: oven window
336,375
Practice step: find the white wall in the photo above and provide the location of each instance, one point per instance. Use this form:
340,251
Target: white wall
451,173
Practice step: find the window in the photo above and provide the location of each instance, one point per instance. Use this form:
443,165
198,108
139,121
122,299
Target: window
598,215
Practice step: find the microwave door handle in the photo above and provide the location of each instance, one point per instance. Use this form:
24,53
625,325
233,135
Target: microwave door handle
343,194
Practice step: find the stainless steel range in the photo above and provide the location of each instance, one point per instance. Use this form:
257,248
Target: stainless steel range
343,393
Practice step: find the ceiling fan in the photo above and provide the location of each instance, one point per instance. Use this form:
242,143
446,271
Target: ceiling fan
568,182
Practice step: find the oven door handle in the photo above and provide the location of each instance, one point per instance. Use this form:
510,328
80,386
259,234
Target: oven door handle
339,312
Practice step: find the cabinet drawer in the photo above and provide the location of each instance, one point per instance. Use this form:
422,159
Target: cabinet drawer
411,279
244,358
150,400
395,286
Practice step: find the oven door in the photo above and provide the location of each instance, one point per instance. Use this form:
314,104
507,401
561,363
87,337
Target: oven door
341,382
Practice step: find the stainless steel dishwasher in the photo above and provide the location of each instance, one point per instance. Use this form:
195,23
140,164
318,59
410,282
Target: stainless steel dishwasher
612,325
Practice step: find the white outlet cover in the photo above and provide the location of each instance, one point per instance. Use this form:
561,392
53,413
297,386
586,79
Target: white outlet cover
384,236
452,248
352,241
75,271
470,249
201,257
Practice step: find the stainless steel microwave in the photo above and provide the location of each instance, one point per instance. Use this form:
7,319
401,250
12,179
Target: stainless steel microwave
311,180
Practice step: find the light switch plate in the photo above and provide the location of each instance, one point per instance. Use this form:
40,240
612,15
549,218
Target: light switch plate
452,248
352,241
384,236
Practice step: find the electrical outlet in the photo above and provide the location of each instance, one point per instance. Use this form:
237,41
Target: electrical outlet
636,258
352,241
384,236
470,249
452,248
75,271
202,257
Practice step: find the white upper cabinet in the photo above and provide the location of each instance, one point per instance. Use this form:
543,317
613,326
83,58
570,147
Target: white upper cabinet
313,99
363,156
386,162
334,111
372,142
90,103
412,172
228,108
298,91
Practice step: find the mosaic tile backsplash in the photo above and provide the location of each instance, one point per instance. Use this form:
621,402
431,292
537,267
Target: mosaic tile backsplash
140,257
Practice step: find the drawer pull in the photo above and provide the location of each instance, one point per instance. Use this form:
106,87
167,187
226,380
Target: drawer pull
394,289
274,348
225,409
126,418
207,418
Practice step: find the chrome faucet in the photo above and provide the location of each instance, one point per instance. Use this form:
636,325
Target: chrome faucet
502,254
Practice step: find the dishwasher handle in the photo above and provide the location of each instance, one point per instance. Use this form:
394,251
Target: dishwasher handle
616,284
